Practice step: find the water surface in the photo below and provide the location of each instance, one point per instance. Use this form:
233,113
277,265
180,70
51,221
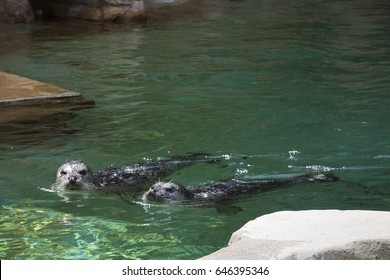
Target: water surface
281,87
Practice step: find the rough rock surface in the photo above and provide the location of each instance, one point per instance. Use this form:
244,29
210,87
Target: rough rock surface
15,11
94,9
312,234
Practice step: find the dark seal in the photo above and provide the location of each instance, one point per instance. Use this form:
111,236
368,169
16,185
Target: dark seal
226,190
76,175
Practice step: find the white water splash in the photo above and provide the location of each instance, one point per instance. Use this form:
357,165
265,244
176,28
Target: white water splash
293,154
240,171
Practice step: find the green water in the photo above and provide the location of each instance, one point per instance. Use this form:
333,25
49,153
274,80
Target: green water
292,85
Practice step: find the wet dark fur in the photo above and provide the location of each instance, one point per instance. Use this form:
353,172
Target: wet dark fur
139,174
131,178
221,193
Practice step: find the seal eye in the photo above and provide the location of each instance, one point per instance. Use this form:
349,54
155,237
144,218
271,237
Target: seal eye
171,190
63,172
83,172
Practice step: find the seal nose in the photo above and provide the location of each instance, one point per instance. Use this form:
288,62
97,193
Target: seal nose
72,180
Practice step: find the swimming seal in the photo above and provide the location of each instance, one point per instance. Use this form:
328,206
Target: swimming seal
76,175
226,190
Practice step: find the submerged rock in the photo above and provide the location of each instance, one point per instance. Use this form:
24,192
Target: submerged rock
313,234
16,11
96,10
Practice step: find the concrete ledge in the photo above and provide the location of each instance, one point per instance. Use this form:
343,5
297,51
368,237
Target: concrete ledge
25,99
313,234
17,90
68,96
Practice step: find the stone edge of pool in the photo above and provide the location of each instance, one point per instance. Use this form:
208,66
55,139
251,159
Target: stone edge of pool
17,90
311,235
24,99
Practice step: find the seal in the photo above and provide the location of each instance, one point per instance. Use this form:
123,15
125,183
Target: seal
77,175
226,190
74,175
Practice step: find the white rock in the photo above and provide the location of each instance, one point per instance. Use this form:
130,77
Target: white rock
313,234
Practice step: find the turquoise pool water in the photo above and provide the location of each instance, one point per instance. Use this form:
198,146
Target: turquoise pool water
276,87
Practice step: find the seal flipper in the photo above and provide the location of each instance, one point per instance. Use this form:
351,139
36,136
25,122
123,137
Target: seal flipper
324,177
319,177
195,158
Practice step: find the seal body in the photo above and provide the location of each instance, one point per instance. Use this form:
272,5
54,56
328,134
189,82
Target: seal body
76,175
226,190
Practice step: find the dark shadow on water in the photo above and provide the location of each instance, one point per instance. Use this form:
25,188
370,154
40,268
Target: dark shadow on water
32,125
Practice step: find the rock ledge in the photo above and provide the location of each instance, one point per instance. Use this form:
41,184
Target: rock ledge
312,234
16,11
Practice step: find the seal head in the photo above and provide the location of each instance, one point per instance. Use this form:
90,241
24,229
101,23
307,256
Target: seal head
74,175
168,192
